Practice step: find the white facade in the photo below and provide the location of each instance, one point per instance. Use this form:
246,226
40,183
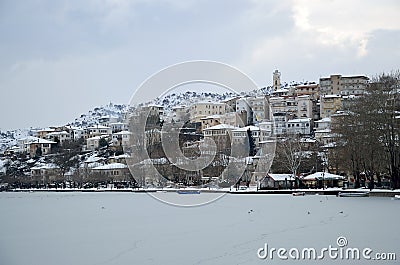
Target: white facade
221,129
93,143
35,143
98,130
304,107
107,120
61,137
267,127
118,126
323,124
260,108
121,138
206,108
210,121
278,104
240,134
77,132
233,119
280,122
299,126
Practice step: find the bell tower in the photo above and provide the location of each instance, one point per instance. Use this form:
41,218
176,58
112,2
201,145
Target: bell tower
276,80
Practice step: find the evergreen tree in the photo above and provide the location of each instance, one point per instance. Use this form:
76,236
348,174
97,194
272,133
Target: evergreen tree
252,144
38,151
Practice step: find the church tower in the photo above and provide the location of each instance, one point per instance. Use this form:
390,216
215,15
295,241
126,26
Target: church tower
276,80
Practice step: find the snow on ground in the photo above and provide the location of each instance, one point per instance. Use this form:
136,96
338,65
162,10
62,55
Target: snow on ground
134,228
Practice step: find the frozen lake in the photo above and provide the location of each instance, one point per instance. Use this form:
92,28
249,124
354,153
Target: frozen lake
132,228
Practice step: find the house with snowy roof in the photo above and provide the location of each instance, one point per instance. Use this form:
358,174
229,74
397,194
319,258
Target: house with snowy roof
35,146
45,172
112,172
118,126
93,143
106,120
43,132
59,137
239,135
221,135
98,130
121,138
299,126
210,121
277,181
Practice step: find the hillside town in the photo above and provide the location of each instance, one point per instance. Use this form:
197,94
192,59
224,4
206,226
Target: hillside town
299,127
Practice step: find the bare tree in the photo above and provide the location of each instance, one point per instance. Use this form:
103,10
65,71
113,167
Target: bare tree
368,134
289,154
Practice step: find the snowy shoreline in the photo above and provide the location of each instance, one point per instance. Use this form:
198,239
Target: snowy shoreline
330,191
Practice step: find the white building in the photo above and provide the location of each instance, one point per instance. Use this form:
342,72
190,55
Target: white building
322,124
43,132
107,120
118,126
322,130
280,122
113,171
221,134
240,135
32,146
304,106
93,143
210,121
291,106
267,127
76,132
233,119
281,92
299,126
206,108
60,137
98,130
121,138
278,104
260,108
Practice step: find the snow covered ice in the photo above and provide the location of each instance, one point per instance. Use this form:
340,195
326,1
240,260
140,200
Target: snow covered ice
135,228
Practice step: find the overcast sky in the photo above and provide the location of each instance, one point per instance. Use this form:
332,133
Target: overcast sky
62,58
